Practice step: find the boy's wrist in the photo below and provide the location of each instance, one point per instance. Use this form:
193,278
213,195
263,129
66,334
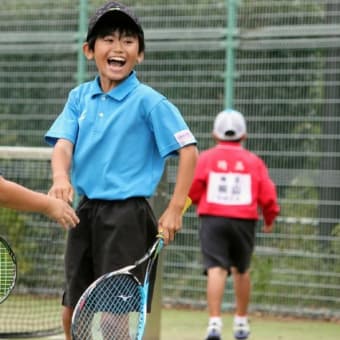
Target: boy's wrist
60,176
177,204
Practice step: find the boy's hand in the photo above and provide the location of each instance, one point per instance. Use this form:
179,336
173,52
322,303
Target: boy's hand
62,189
170,223
61,212
171,220
268,228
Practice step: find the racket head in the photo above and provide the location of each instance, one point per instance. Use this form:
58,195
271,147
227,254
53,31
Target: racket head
113,307
8,269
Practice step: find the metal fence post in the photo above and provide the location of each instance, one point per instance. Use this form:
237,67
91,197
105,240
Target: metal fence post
230,57
153,326
82,28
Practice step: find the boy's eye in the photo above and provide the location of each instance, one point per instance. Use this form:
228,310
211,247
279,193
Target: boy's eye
128,41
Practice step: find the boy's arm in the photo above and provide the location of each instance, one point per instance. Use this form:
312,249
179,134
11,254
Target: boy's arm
268,228
16,196
61,164
171,220
268,200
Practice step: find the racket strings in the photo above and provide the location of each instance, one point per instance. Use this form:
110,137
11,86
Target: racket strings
7,272
111,310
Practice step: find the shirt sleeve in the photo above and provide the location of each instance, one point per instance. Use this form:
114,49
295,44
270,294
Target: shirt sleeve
170,130
66,124
268,197
199,183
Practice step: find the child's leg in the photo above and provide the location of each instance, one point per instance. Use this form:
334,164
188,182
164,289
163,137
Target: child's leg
242,288
215,290
67,318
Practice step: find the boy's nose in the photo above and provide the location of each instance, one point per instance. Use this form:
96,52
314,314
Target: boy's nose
117,46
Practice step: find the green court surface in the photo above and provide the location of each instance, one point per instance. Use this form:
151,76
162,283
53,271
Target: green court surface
190,325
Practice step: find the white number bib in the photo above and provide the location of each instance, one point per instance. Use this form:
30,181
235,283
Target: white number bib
229,188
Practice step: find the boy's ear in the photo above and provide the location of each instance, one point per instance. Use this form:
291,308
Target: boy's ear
140,57
87,51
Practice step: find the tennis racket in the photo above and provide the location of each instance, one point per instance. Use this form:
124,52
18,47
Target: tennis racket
114,307
8,269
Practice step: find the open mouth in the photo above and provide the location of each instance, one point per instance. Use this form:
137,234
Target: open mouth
116,62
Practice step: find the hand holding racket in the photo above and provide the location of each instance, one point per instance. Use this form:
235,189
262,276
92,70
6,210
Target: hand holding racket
8,269
114,307
169,224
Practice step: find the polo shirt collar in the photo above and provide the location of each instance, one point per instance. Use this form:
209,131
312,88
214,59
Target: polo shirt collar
119,92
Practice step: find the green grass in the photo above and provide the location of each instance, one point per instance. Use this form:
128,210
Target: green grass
191,325
22,312
185,325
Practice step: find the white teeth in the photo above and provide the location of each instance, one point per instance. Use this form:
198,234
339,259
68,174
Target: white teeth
118,60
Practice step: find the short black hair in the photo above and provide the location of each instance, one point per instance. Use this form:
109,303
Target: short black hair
121,23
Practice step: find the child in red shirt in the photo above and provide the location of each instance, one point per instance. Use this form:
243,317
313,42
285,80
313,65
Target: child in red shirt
229,186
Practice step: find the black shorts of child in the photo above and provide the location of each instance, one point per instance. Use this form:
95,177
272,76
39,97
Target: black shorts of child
110,235
227,242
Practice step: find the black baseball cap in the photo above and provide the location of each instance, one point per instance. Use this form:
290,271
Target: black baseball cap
115,9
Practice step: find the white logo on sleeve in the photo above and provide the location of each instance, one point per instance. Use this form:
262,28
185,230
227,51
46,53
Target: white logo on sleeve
184,137
229,188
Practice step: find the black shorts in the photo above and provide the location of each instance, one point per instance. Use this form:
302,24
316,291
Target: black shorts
227,242
110,235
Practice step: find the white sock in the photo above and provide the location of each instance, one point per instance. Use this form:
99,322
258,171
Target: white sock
240,319
215,320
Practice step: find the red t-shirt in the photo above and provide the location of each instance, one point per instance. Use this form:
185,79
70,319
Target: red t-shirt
233,182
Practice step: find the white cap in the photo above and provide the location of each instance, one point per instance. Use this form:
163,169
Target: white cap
229,125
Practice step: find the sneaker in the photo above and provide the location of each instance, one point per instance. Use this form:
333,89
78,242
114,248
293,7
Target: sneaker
241,331
213,333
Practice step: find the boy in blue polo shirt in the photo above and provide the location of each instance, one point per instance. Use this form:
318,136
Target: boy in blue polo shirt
116,133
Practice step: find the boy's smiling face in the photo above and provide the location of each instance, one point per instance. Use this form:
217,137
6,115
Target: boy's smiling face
115,54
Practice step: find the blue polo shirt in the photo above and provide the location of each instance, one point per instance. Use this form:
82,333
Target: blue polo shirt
121,138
